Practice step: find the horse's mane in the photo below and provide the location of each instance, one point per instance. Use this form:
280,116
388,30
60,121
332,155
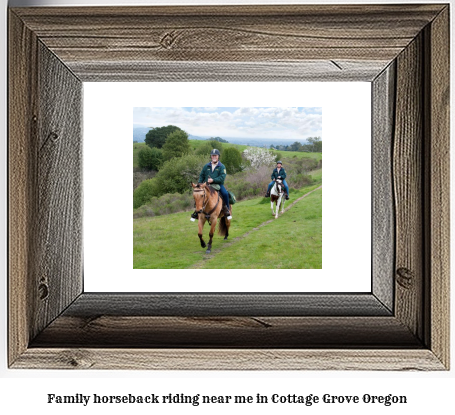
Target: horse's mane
211,189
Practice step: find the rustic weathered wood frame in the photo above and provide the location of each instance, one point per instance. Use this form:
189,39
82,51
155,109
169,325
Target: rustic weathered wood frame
403,324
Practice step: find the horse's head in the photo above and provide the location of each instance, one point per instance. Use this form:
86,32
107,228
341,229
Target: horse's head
199,195
279,185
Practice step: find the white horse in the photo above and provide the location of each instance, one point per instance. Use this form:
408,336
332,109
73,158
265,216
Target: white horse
277,197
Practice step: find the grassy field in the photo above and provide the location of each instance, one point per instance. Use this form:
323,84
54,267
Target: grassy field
294,240
195,144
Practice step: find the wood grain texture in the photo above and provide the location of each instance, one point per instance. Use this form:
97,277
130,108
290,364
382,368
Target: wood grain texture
383,215
22,96
90,305
58,214
256,332
227,34
229,359
315,70
408,188
439,190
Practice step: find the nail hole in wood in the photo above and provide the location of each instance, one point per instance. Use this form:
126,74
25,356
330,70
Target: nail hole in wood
405,278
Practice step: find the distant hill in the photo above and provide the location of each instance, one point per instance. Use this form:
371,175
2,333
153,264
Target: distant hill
140,132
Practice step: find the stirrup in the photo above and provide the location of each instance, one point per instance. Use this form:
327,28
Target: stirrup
267,194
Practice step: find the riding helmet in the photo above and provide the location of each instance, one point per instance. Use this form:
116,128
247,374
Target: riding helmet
215,152
279,162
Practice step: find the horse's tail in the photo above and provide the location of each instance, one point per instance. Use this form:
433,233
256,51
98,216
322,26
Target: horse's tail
222,228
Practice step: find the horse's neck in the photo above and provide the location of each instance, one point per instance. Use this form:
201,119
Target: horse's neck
212,200
275,189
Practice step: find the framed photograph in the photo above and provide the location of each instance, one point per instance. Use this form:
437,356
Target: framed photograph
401,323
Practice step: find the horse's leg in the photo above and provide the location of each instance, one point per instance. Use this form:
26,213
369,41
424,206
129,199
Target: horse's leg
282,205
228,224
271,205
277,207
212,231
200,228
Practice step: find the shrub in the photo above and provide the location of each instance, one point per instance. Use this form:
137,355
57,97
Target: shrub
277,155
232,159
216,144
166,204
149,158
176,175
144,192
259,156
259,177
204,149
176,145
140,175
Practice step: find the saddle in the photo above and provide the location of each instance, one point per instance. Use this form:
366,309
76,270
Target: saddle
232,198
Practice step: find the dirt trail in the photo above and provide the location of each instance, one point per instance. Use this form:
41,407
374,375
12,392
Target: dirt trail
216,251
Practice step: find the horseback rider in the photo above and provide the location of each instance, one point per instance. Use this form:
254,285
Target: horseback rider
214,172
278,173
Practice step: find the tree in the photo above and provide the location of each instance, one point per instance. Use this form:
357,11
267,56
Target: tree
259,157
175,176
316,144
232,159
177,145
156,137
218,139
205,149
295,146
216,144
150,158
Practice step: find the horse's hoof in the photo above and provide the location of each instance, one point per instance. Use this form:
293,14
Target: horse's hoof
203,245
208,251
225,237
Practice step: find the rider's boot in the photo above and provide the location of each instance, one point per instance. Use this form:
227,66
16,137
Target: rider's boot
267,194
226,211
286,195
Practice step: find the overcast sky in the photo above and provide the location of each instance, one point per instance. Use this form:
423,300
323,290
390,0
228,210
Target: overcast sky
249,122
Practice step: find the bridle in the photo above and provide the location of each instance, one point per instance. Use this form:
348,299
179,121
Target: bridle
279,186
207,214
203,200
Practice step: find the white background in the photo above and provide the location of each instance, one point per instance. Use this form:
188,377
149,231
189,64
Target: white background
25,391
108,230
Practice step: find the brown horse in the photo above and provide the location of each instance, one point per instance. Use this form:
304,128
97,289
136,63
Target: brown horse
209,205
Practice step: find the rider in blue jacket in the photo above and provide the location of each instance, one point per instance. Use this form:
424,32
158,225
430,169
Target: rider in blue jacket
278,173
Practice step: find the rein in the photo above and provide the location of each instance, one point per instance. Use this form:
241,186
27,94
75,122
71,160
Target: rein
207,214
279,189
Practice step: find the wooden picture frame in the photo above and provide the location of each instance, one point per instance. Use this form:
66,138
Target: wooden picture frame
402,324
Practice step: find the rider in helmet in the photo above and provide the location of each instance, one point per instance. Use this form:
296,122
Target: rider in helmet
278,173
215,172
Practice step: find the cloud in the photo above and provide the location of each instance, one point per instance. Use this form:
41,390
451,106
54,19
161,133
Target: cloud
245,122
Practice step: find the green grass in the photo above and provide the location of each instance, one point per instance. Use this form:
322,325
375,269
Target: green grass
294,240
171,241
299,154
